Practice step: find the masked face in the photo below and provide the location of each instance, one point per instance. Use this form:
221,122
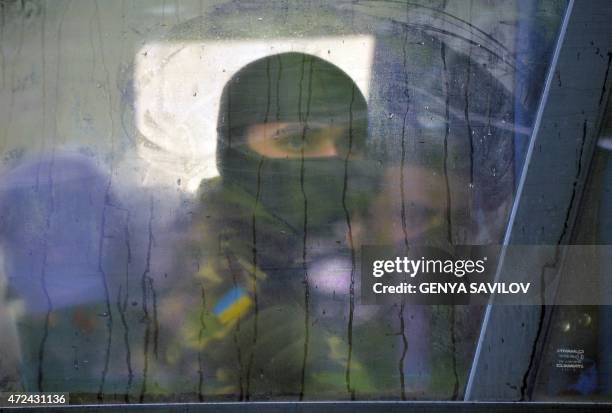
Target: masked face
294,137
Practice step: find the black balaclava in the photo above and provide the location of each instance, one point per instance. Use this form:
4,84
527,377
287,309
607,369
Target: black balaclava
298,100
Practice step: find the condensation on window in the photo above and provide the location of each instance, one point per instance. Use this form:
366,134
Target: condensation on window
185,188
576,363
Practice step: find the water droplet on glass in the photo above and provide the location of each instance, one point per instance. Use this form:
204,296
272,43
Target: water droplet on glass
586,319
566,326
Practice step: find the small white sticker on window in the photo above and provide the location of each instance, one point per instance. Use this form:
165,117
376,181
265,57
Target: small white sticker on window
570,358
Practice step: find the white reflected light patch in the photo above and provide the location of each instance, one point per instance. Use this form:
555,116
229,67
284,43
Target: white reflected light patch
178,87
331,275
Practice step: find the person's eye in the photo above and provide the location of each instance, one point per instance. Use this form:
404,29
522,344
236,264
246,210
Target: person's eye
314,142
291,140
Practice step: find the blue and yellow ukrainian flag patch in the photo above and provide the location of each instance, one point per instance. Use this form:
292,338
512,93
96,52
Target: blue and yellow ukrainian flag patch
232,305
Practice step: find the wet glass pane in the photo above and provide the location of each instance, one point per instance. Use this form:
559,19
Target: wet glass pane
576,363
185,188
